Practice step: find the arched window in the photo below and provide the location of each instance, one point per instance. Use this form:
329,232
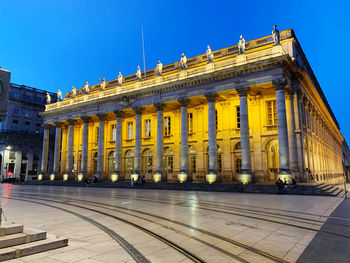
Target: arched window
111,161
129,162
168,160
147,161
192,159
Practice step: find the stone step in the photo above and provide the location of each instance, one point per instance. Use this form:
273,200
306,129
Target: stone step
52,242
10,229
334,190
340,192
28,236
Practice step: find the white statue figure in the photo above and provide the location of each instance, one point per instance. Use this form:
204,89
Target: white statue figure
74,91
59,95
86,87
241,45
210,55
120,79
48,98
276,35
183,62
159,68
138,73
103,84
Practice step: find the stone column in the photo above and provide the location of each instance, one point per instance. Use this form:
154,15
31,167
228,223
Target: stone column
69,165
246,174
160,144
212,174
118,148
56,157
299,132
100,146
45,153
184,142
293,154
283,147
137,168
84,147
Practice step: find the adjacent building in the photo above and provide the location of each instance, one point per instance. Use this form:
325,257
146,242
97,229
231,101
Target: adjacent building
248,113
21,132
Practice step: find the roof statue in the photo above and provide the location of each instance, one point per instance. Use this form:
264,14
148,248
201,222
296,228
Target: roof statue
276,35
138,73
159,68
74,91
86,87
59,95
183,62
241,45
48,98
103,84
210,55
120,79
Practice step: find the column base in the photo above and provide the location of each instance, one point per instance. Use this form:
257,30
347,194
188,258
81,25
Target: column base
211,177
182,177
245,177
157,177
285,175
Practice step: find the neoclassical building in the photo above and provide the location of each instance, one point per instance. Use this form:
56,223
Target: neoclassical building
249,114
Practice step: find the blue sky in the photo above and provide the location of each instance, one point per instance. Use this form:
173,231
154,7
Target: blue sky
59,43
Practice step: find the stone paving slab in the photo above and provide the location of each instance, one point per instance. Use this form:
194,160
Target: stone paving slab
326,248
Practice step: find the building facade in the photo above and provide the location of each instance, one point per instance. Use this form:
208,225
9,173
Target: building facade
249,114
21,132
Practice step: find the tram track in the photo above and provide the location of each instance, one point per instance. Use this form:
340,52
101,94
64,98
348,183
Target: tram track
115,208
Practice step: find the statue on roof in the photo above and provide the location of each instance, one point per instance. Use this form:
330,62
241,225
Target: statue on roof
59,95
210,55
159,68
86,87
276,35
241,45
138,73
48,98
120,79
103,84
74,91
183,62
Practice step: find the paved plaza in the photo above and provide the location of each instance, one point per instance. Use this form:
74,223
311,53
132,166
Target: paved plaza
134,225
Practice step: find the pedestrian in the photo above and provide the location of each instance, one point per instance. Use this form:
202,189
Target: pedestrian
293,184
279,185
132,181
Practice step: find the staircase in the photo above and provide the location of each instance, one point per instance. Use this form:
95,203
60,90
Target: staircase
331,189
17,241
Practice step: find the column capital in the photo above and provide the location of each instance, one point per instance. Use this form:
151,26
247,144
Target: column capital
102,116
86,119
211,97
183,101
58,124
159,106
71,121
138,110
47,125
279,83
118,113
290,93
243,91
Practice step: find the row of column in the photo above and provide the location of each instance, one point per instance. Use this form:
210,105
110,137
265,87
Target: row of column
246,174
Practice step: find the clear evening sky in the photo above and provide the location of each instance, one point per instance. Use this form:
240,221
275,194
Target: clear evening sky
52,44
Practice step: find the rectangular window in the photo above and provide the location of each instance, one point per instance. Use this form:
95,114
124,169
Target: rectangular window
271,112
97,131
238,117
167,126
170,164
12,155
27,97
113,128
14,125
130,130
238,165
216,120
147,128
27,113
38,116
16,111
26,127
14,94
37,130
190,122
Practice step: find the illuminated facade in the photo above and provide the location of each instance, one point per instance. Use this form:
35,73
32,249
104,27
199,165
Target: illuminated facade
248,117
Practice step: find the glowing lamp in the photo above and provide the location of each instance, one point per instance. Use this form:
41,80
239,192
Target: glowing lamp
157,177
52,177
211,177
65,177
245,178
182,177
80,177
135,176
114,177
40,177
